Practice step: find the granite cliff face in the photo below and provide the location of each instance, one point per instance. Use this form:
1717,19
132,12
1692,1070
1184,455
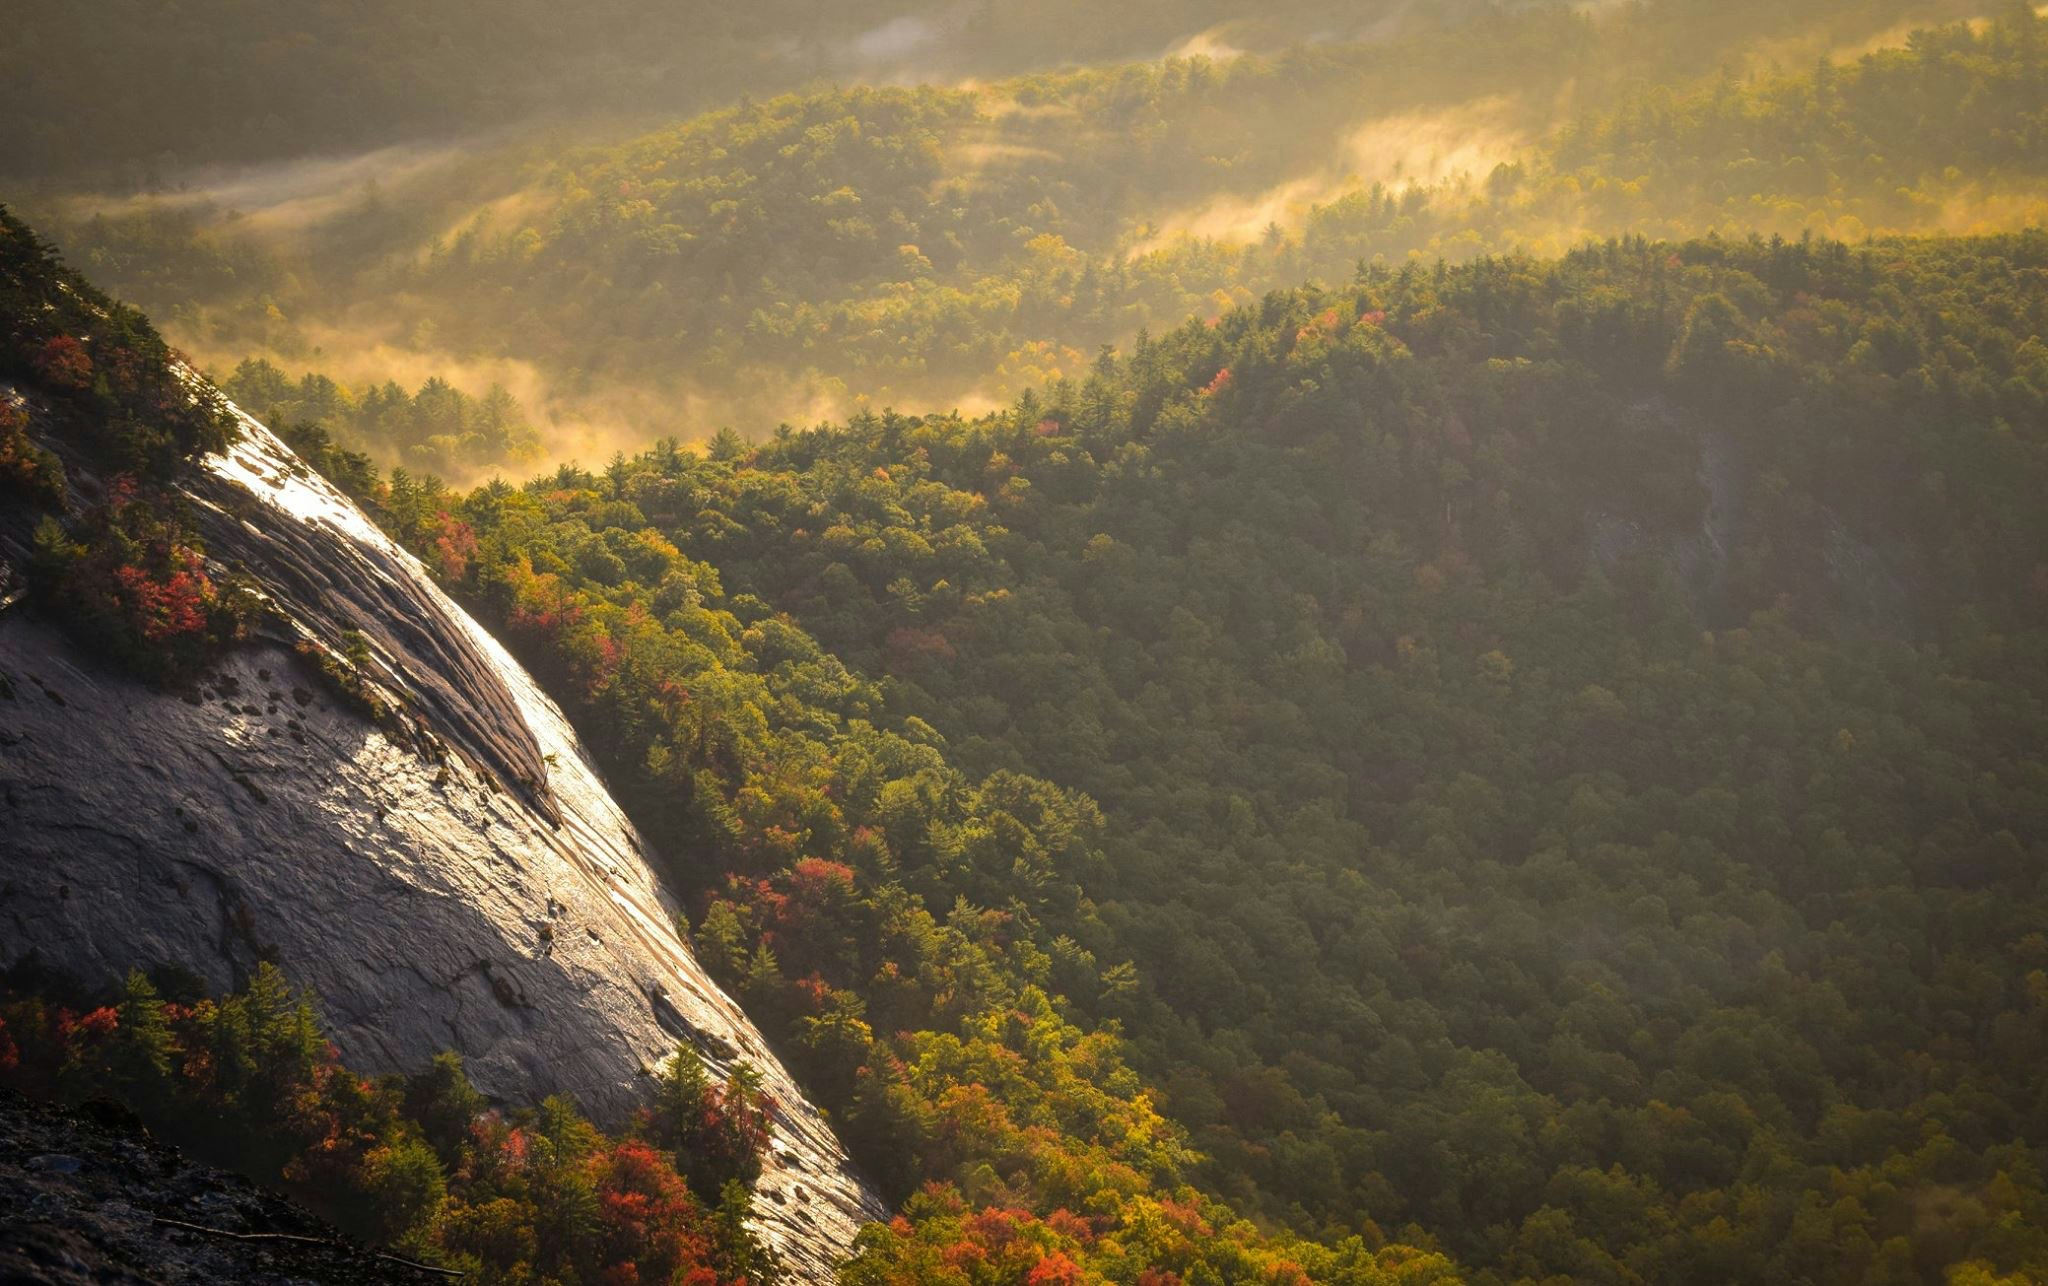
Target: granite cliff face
458,878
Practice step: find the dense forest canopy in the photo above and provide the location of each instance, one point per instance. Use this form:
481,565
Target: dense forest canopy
1538,760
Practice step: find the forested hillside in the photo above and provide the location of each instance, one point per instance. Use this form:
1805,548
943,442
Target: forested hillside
802,255
1535,759
919,240
234,81
240,82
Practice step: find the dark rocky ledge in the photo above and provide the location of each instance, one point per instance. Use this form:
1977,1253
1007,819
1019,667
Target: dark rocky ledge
88,1196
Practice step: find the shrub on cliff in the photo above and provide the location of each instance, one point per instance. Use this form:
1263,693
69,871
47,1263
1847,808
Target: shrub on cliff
134,584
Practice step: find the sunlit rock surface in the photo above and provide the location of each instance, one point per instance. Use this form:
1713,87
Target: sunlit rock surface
492,899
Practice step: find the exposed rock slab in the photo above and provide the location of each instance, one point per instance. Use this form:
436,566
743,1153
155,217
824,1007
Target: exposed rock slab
431,905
